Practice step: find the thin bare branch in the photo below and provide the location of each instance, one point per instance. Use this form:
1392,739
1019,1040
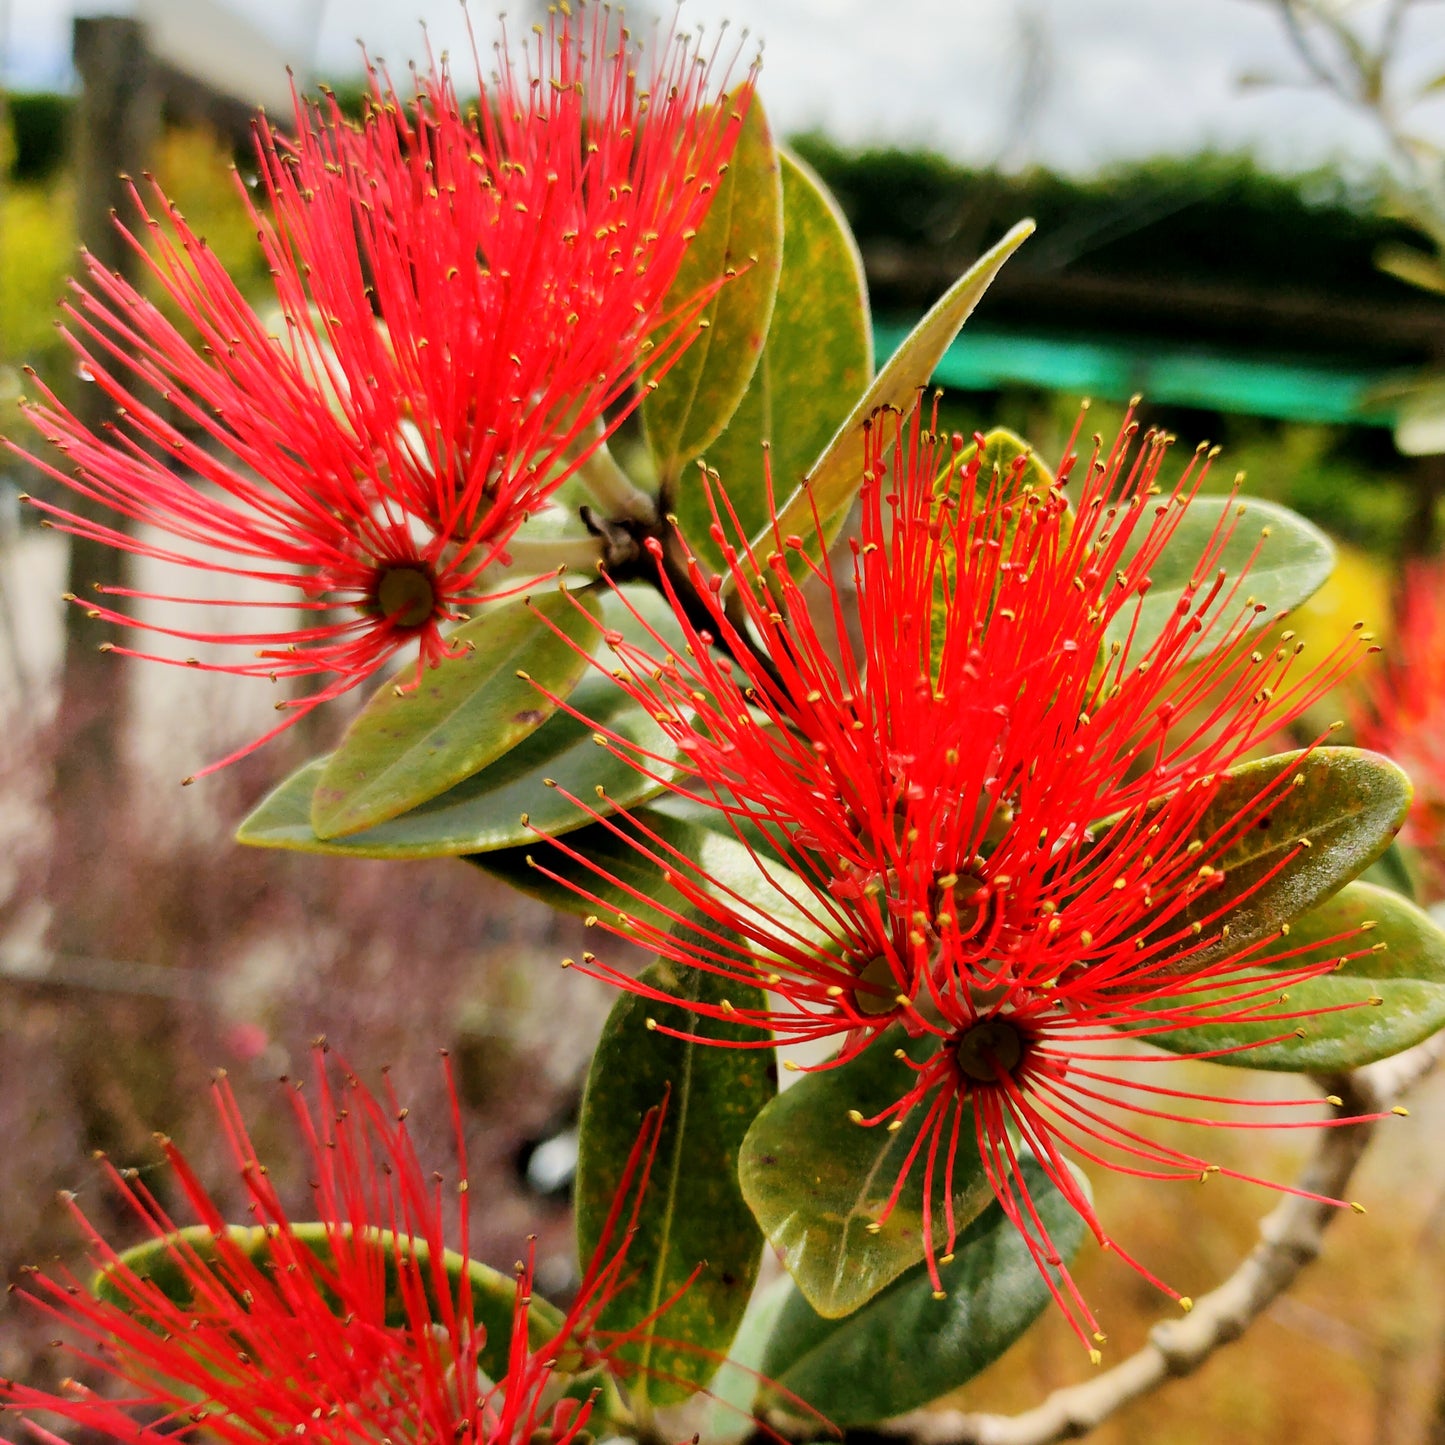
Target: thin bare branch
1290,1237
1359,75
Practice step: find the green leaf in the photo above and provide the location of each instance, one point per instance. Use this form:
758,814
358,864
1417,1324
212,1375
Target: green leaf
1295,559
485,811
1001,450
1412,266
718,855
625,865
742,239
1392,870
493,1294
407,747
835,477
904,1348
816,1180
1347,802
1397,993
733,1391
818,357
692,1213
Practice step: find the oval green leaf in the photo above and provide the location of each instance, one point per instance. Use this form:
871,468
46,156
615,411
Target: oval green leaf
818,357
1345,803
634,890
833,481
1368,1007
486,811
409,746
741,240
1294,560
815,1180
556,878
1394,869
1000,452
493,1295
692,1214
733,1391
905,1349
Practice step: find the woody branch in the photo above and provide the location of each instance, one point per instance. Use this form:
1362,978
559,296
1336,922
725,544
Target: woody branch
1290,1237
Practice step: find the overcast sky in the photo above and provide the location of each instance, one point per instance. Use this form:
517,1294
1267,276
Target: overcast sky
1105,79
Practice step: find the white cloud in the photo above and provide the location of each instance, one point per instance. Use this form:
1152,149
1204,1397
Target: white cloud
1117,77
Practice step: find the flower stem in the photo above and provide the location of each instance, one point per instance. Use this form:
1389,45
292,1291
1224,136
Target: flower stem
536,556
617,496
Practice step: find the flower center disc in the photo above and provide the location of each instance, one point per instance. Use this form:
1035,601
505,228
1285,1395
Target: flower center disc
405,596
995,1046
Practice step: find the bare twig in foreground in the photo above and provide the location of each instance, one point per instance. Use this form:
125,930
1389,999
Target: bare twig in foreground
1289,1238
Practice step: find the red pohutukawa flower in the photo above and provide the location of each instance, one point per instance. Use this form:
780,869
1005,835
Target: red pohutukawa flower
460,294
1401,707
999,804
350,1330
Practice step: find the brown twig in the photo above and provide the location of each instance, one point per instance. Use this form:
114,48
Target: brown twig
1290,1237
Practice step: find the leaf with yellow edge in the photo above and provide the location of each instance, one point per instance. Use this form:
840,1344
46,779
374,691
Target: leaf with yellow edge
833,480
741,241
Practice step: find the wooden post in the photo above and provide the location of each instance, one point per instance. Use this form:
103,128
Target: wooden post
116,123
89,881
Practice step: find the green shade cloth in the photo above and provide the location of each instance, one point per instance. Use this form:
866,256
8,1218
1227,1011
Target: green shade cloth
981,359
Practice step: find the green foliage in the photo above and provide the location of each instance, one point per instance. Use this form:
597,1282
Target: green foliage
39,134
817,1181
493,1294
37,252
905,1348
1201,215
826,493
640,856
695,1239
1000,453
818,357
1288,560
1393,870
519,797
409,745
741,242
195,169
636,888
1359,493
1386,992
1336,811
